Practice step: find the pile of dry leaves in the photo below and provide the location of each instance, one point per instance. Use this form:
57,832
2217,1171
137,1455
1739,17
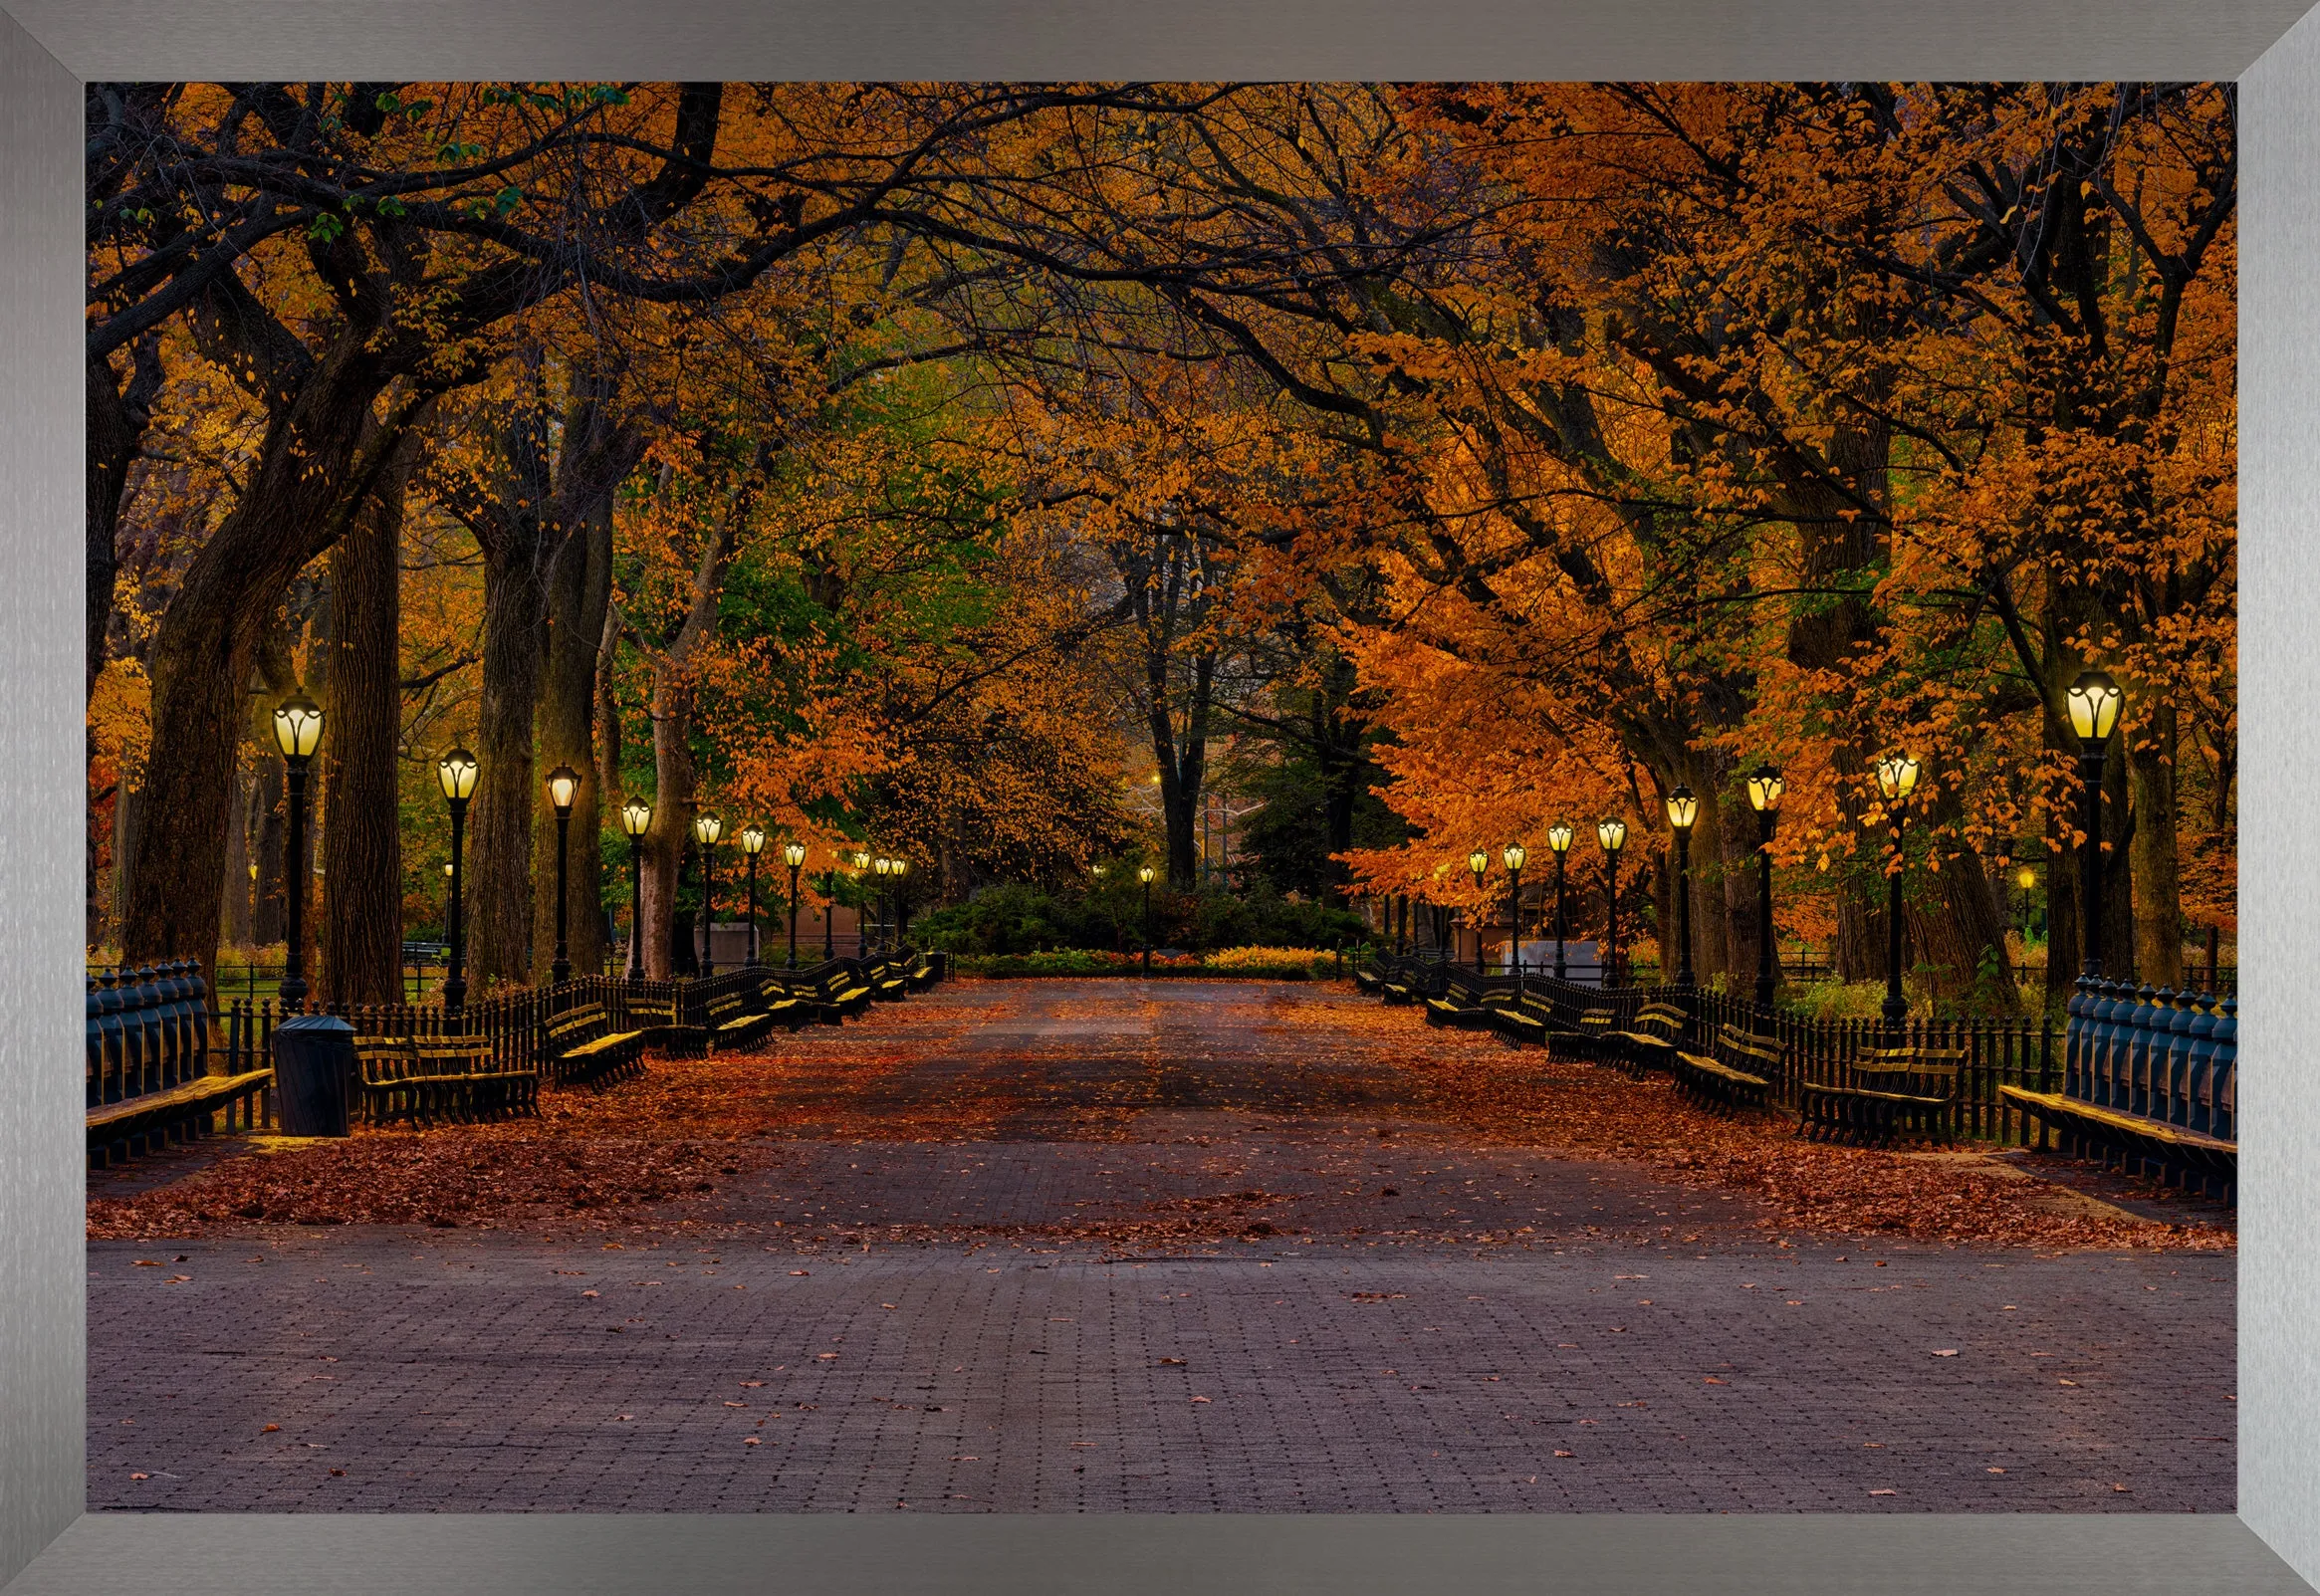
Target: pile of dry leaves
1519,1098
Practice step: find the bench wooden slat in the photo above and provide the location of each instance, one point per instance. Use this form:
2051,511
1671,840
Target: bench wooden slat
1893,1090
2176,1136
1719,1077
187,1097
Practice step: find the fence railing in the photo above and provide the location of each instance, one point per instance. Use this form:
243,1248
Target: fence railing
2163,1055
2167,1055
516,1024
147,1030
2000,1051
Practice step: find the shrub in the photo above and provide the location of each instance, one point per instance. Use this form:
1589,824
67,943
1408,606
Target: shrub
1269,964
1312,961
1016,917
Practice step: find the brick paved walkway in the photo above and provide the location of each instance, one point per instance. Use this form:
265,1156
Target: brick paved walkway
1634,1346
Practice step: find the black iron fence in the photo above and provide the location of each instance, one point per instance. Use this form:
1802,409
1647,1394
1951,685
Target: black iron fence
517,1023
2173,1057
2163,1055
1821,1053
147,1030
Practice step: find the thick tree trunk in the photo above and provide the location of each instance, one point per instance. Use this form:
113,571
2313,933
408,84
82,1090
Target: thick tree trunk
499,863
292,510
234,913
578,595
2158,882
1954,924
1733,896
358,933
267,840
672,819
533,529
1712,924
1182,759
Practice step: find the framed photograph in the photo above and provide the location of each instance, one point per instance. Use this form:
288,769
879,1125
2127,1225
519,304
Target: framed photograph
971,798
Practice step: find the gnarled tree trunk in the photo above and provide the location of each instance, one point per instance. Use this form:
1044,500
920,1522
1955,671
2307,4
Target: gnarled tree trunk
360,930
2151,772
310,472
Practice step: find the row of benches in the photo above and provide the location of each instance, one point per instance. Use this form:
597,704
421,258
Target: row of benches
429,1078
423,1078
584,1044
1888,1092
1892,1091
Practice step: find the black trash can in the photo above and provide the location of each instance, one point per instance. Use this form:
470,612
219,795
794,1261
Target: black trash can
313,1067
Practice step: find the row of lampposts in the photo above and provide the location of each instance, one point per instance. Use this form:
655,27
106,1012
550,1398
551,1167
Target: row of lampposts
298,732
2092,706
1765,788
1611,833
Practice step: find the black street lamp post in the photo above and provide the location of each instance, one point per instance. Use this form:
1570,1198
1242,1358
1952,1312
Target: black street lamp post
883,868
2094,701
456,773
1478,861
1683,810
2025,878
636,819
861,941
1145,874
1558,837
1765,788
1613,836
562,787
1514,856
901,868
1895,780
752,844
707,828
829,914
298,732
793,855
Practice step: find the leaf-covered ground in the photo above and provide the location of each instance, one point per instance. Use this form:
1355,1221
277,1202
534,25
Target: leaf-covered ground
983,1061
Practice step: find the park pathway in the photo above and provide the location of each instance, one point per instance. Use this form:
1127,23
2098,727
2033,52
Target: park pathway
1211,1257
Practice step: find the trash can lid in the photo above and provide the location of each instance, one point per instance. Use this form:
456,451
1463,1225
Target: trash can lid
314,1022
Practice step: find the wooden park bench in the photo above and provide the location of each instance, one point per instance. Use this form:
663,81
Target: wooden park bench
890,979
121,1127
661,1019
1737,1072
581,1045
1894,1091
1590,1037
1368,980
1460,1003
833,994
926,968
2113,1136
1520,1021
1653,1040
738,1020
436,1077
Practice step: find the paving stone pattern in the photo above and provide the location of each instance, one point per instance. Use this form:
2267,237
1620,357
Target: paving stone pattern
868,1317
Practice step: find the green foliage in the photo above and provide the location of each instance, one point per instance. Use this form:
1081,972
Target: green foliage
1015,918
